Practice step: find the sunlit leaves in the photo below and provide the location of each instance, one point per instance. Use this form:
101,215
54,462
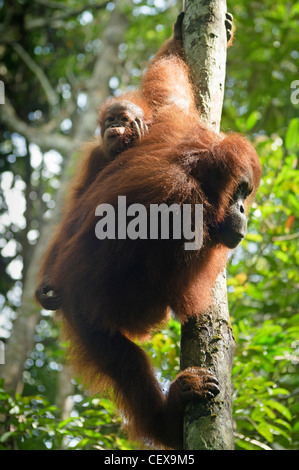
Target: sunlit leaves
292,135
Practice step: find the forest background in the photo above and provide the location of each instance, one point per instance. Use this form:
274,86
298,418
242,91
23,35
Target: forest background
58,61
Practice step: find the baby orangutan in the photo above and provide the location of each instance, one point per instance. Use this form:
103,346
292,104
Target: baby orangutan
122,123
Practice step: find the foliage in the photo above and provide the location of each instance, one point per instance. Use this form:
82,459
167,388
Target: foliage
263,272
32,423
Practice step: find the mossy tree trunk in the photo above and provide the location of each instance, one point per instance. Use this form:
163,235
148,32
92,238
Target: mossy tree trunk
207,341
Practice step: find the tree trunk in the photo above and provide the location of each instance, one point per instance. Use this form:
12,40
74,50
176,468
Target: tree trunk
207,341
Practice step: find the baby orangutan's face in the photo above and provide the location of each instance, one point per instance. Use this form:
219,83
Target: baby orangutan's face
122,123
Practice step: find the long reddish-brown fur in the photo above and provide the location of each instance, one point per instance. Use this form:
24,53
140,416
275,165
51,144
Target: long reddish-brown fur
115,290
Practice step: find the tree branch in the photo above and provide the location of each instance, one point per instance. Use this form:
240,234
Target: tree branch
207,341
41,22
38,136
39,73
51,4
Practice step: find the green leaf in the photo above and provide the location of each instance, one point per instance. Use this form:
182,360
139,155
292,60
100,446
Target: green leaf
254,237
265,430
252,120
279,391
280,408
294,10
6,436
284,423
292,135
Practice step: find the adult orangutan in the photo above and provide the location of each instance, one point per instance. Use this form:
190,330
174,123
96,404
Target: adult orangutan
116,289
123,122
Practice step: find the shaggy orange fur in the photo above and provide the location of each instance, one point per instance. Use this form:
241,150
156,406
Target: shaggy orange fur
114,290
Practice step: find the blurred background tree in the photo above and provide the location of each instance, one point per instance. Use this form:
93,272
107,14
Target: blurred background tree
58,61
